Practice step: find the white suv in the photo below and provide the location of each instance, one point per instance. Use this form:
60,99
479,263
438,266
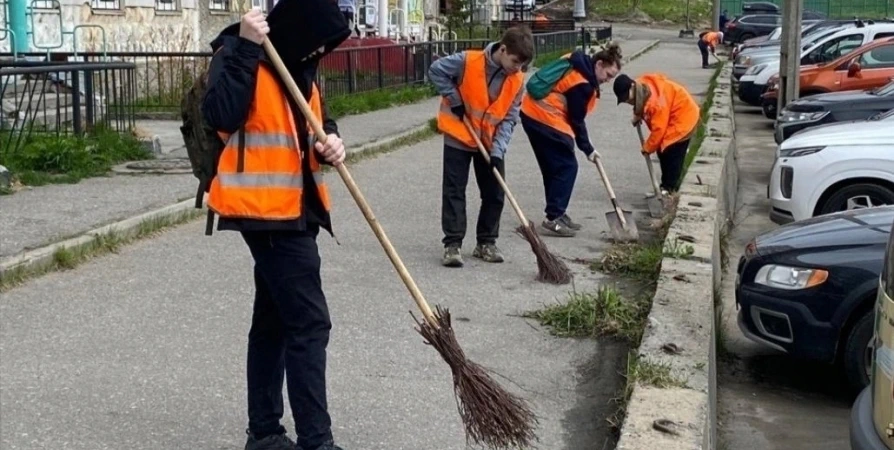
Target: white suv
836,167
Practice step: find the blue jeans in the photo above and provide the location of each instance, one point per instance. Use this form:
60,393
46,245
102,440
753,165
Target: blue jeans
558,167
288,337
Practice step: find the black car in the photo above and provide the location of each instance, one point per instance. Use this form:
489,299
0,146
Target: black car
750,26
807,288
833,107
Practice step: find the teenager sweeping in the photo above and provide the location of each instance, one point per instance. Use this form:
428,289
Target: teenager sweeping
670,113
484,86
555,123
708,40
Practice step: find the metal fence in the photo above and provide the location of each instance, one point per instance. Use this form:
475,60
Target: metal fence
833,9
160,79
63,98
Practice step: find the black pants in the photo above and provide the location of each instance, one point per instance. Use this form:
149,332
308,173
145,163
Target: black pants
703,47
289,335
558,167
671,160
453,199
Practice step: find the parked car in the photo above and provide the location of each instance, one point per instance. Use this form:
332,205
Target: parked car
821,109
807,288
831,168
872,414
760,55
869,66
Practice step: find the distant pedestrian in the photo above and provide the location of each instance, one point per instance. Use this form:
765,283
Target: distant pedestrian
670,113
269,188
724,18
485,87
555,123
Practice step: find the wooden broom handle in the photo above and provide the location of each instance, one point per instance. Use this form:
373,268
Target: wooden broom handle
518,211
352,186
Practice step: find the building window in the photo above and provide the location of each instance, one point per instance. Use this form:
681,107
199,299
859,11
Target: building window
166,5
219,5
45,4
106,4
259,4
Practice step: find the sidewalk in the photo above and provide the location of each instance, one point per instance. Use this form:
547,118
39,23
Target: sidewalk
145,348
45,215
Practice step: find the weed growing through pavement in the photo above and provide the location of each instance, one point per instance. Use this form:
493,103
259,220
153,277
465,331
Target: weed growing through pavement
603,312
646,373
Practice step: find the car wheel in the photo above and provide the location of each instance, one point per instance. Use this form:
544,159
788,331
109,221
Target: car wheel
858,196
769,110
857,356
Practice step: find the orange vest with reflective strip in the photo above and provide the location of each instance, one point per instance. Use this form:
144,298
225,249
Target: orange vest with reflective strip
552,110
270,183
670,113
483,115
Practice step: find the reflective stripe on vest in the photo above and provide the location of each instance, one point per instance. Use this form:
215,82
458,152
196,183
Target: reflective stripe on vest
483,115
552,110
271,182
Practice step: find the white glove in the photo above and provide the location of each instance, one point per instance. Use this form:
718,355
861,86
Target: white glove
592,157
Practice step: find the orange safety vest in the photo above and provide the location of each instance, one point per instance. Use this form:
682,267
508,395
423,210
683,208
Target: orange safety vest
670,112
552,110
269,184
483,115
711,38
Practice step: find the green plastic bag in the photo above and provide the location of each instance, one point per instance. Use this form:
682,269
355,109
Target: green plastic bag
545,78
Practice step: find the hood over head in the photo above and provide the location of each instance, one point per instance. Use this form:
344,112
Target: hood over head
582,63
301,31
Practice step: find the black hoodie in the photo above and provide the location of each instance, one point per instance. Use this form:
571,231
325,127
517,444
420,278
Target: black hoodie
577,98
231,84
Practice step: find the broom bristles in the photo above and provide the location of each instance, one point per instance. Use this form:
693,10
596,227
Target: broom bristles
491,416
550,269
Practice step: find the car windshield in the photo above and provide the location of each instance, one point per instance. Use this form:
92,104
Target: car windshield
813,39
883,91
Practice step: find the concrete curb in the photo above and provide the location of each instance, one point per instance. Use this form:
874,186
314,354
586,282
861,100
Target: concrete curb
683,309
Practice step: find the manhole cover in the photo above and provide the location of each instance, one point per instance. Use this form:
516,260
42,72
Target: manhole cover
160,165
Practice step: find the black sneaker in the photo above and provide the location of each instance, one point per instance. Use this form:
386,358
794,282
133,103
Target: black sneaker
488,253
272,442
558,228
570,223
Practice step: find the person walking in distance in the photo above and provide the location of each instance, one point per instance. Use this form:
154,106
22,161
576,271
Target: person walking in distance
556,122
269,188
485,87
670,113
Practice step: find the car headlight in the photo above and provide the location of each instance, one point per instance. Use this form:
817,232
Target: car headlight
743,60
790,278
754,70
796,152
796,116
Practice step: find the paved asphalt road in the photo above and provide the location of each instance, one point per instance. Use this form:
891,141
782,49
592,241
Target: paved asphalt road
145,349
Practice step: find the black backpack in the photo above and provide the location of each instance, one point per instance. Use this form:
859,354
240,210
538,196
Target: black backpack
203,145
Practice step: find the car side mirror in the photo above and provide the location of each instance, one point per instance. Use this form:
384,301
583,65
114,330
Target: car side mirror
853,69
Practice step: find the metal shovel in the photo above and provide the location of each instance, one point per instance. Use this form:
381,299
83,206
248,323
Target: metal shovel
619,221
656,202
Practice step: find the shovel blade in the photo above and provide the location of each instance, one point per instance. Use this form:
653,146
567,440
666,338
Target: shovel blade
621,232
656,207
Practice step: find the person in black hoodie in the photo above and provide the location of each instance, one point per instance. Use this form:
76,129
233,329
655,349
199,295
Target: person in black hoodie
278,220
555,123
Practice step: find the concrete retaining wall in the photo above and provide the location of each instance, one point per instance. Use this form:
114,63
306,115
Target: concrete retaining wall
683,309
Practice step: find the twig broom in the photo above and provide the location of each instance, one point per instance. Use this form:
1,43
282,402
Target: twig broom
490,415
550,269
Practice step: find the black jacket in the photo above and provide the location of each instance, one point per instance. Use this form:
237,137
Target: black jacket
227,101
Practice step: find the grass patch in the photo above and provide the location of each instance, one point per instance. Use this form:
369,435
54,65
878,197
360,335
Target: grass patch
639,261
651,10
646,373
600,313
545,58
702,123
49,158
68,258
364,102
